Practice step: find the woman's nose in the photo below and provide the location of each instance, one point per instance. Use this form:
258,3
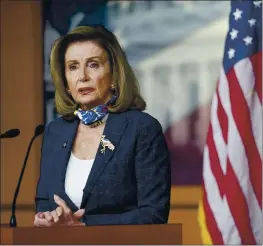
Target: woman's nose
83,76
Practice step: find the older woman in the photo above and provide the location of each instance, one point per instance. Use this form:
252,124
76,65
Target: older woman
104,161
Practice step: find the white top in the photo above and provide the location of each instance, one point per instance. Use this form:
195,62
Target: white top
76,177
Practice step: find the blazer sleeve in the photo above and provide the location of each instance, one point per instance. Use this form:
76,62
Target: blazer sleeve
153,175
41,199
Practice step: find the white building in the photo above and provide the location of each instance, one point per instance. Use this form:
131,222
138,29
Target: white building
183,76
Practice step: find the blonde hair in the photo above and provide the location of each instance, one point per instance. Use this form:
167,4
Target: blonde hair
123,77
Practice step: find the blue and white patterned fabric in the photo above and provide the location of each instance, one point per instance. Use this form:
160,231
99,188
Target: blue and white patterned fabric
95,115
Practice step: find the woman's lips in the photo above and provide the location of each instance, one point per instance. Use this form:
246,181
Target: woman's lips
85,90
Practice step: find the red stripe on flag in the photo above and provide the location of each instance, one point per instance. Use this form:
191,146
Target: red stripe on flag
256,61
241,116
222,118
211,223
215,163
238,206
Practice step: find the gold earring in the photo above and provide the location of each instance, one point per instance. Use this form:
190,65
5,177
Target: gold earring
112,89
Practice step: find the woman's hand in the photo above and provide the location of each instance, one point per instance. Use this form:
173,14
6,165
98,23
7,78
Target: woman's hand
41,220
66,216
61,216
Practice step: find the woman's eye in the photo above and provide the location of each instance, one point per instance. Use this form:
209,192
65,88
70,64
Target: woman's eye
94,65
73,67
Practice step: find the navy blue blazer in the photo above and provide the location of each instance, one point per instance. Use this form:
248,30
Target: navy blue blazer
130,185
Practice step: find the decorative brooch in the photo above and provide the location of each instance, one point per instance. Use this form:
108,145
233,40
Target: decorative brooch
106,143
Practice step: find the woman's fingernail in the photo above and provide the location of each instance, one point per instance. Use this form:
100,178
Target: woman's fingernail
56,197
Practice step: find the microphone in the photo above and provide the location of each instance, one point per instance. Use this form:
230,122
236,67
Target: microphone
39,130
12,133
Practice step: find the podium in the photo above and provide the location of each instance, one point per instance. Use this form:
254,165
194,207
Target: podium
165,234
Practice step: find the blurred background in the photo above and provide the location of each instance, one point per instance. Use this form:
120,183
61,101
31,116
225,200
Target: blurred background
175,48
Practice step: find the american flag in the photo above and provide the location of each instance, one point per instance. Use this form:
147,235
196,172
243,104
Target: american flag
230,210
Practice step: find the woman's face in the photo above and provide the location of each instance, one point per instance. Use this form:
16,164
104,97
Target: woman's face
88,74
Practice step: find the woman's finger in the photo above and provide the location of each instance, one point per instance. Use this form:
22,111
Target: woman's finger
59,211
40,215
55,216
48,216
62,204
79,214
41,222
59,201
66,210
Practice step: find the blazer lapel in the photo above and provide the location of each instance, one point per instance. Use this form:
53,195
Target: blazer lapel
64,143
115,126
